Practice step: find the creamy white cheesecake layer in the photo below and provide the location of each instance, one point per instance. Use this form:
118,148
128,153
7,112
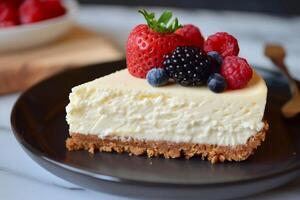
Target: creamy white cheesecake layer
123,106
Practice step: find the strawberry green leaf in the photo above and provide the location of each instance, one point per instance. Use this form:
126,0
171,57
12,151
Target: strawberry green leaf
165,17
162,25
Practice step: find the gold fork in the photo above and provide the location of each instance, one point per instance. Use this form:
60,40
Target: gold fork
277,54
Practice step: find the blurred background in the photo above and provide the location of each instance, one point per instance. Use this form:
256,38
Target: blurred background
95,31
254,23
278,7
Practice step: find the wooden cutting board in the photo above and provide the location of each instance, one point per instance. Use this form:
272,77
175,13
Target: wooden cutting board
19,70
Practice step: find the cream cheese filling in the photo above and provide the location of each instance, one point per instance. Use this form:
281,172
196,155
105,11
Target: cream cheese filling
162,115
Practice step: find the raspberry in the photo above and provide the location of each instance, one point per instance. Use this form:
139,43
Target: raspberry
188,66
192,35
236,71
223,43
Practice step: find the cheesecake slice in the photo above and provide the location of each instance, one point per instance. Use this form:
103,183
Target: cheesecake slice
122,113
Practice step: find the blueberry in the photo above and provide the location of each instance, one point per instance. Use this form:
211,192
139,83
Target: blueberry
216,61
157,77
216,83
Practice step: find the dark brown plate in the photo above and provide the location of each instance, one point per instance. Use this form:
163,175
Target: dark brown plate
38,121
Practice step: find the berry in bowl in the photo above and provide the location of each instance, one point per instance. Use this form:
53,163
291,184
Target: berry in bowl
29,23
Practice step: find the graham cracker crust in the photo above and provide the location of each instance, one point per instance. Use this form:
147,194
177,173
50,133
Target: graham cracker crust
213,153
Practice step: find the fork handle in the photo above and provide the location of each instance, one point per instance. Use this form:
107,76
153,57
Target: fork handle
292,83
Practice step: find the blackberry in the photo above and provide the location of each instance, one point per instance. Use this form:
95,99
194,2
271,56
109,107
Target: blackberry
188,66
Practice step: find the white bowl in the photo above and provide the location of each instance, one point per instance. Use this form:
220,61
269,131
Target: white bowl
30,35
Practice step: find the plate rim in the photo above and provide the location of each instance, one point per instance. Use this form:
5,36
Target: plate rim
91,173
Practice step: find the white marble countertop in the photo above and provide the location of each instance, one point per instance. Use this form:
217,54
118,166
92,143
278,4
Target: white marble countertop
21,177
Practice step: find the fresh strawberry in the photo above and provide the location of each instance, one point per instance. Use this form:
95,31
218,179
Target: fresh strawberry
31,11
37,10
53,8
192,34
8,15
7,24
16,3
147,44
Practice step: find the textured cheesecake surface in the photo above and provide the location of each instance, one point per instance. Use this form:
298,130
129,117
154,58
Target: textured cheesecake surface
124,107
